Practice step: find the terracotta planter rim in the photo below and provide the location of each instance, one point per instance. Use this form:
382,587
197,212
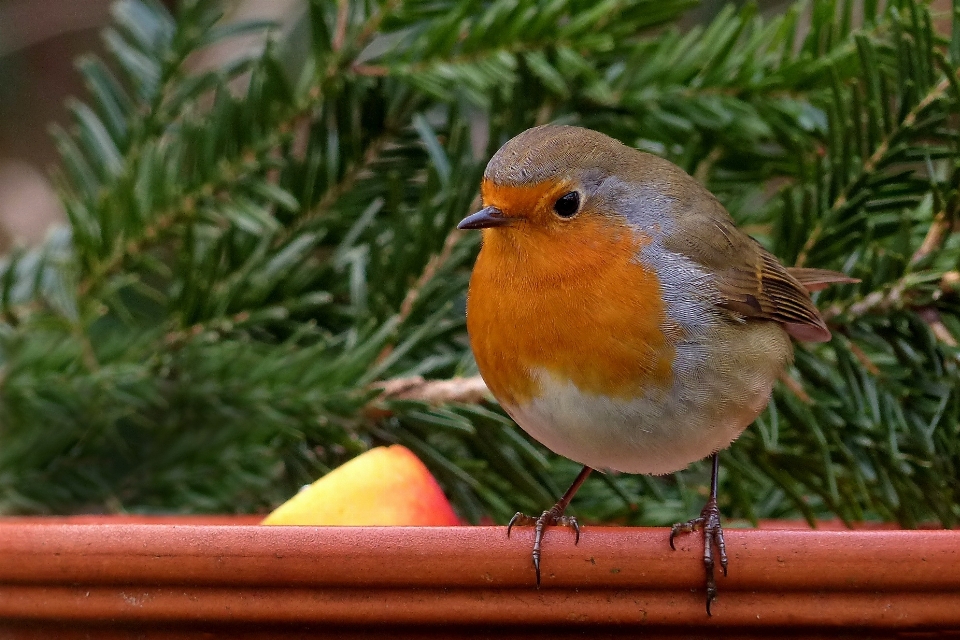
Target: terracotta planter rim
383,576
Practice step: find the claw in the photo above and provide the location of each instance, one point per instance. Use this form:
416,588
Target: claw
709,521
712,534
547,519
550,517
519,518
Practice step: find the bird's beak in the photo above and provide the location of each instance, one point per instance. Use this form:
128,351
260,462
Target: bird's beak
484,219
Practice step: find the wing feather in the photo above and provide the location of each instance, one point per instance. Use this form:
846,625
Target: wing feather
752,282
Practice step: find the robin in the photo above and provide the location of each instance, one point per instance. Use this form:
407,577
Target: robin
621,318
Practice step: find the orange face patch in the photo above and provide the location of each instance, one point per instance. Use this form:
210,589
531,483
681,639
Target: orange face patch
565,296
532,203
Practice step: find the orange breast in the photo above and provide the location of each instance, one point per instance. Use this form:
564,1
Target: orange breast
574,303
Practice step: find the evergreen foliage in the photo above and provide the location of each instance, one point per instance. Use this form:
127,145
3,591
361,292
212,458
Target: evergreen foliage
251,248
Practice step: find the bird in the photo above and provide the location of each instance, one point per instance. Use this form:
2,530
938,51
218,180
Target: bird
622,319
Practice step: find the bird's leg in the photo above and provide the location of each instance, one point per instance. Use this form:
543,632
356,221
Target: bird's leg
709,520
552,516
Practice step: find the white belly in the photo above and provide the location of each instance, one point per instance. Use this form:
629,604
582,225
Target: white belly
714,397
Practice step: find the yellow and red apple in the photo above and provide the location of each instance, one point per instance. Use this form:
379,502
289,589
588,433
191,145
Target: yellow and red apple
384,486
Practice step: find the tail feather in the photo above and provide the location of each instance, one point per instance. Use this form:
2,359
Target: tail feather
817,279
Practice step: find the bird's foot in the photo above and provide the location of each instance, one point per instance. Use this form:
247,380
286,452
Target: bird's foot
709,521
551,517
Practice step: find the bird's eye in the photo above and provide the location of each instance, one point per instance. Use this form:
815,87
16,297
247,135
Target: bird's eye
567,205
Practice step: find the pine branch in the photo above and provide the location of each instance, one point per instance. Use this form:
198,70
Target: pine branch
243,265
882,155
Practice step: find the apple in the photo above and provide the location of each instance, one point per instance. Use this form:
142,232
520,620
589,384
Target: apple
386,486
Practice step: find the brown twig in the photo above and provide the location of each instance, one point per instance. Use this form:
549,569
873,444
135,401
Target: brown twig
334,193
794,386
896,296
122,251
435,392
932,318
370,70
370,28
934,238
702,171
433,264
472,390
340,32
429,271
863,358
871,163
247,164
883,300
950,281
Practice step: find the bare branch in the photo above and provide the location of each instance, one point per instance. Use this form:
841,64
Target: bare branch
471,390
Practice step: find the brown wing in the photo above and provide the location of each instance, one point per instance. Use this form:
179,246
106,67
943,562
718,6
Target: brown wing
752,282
770,292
